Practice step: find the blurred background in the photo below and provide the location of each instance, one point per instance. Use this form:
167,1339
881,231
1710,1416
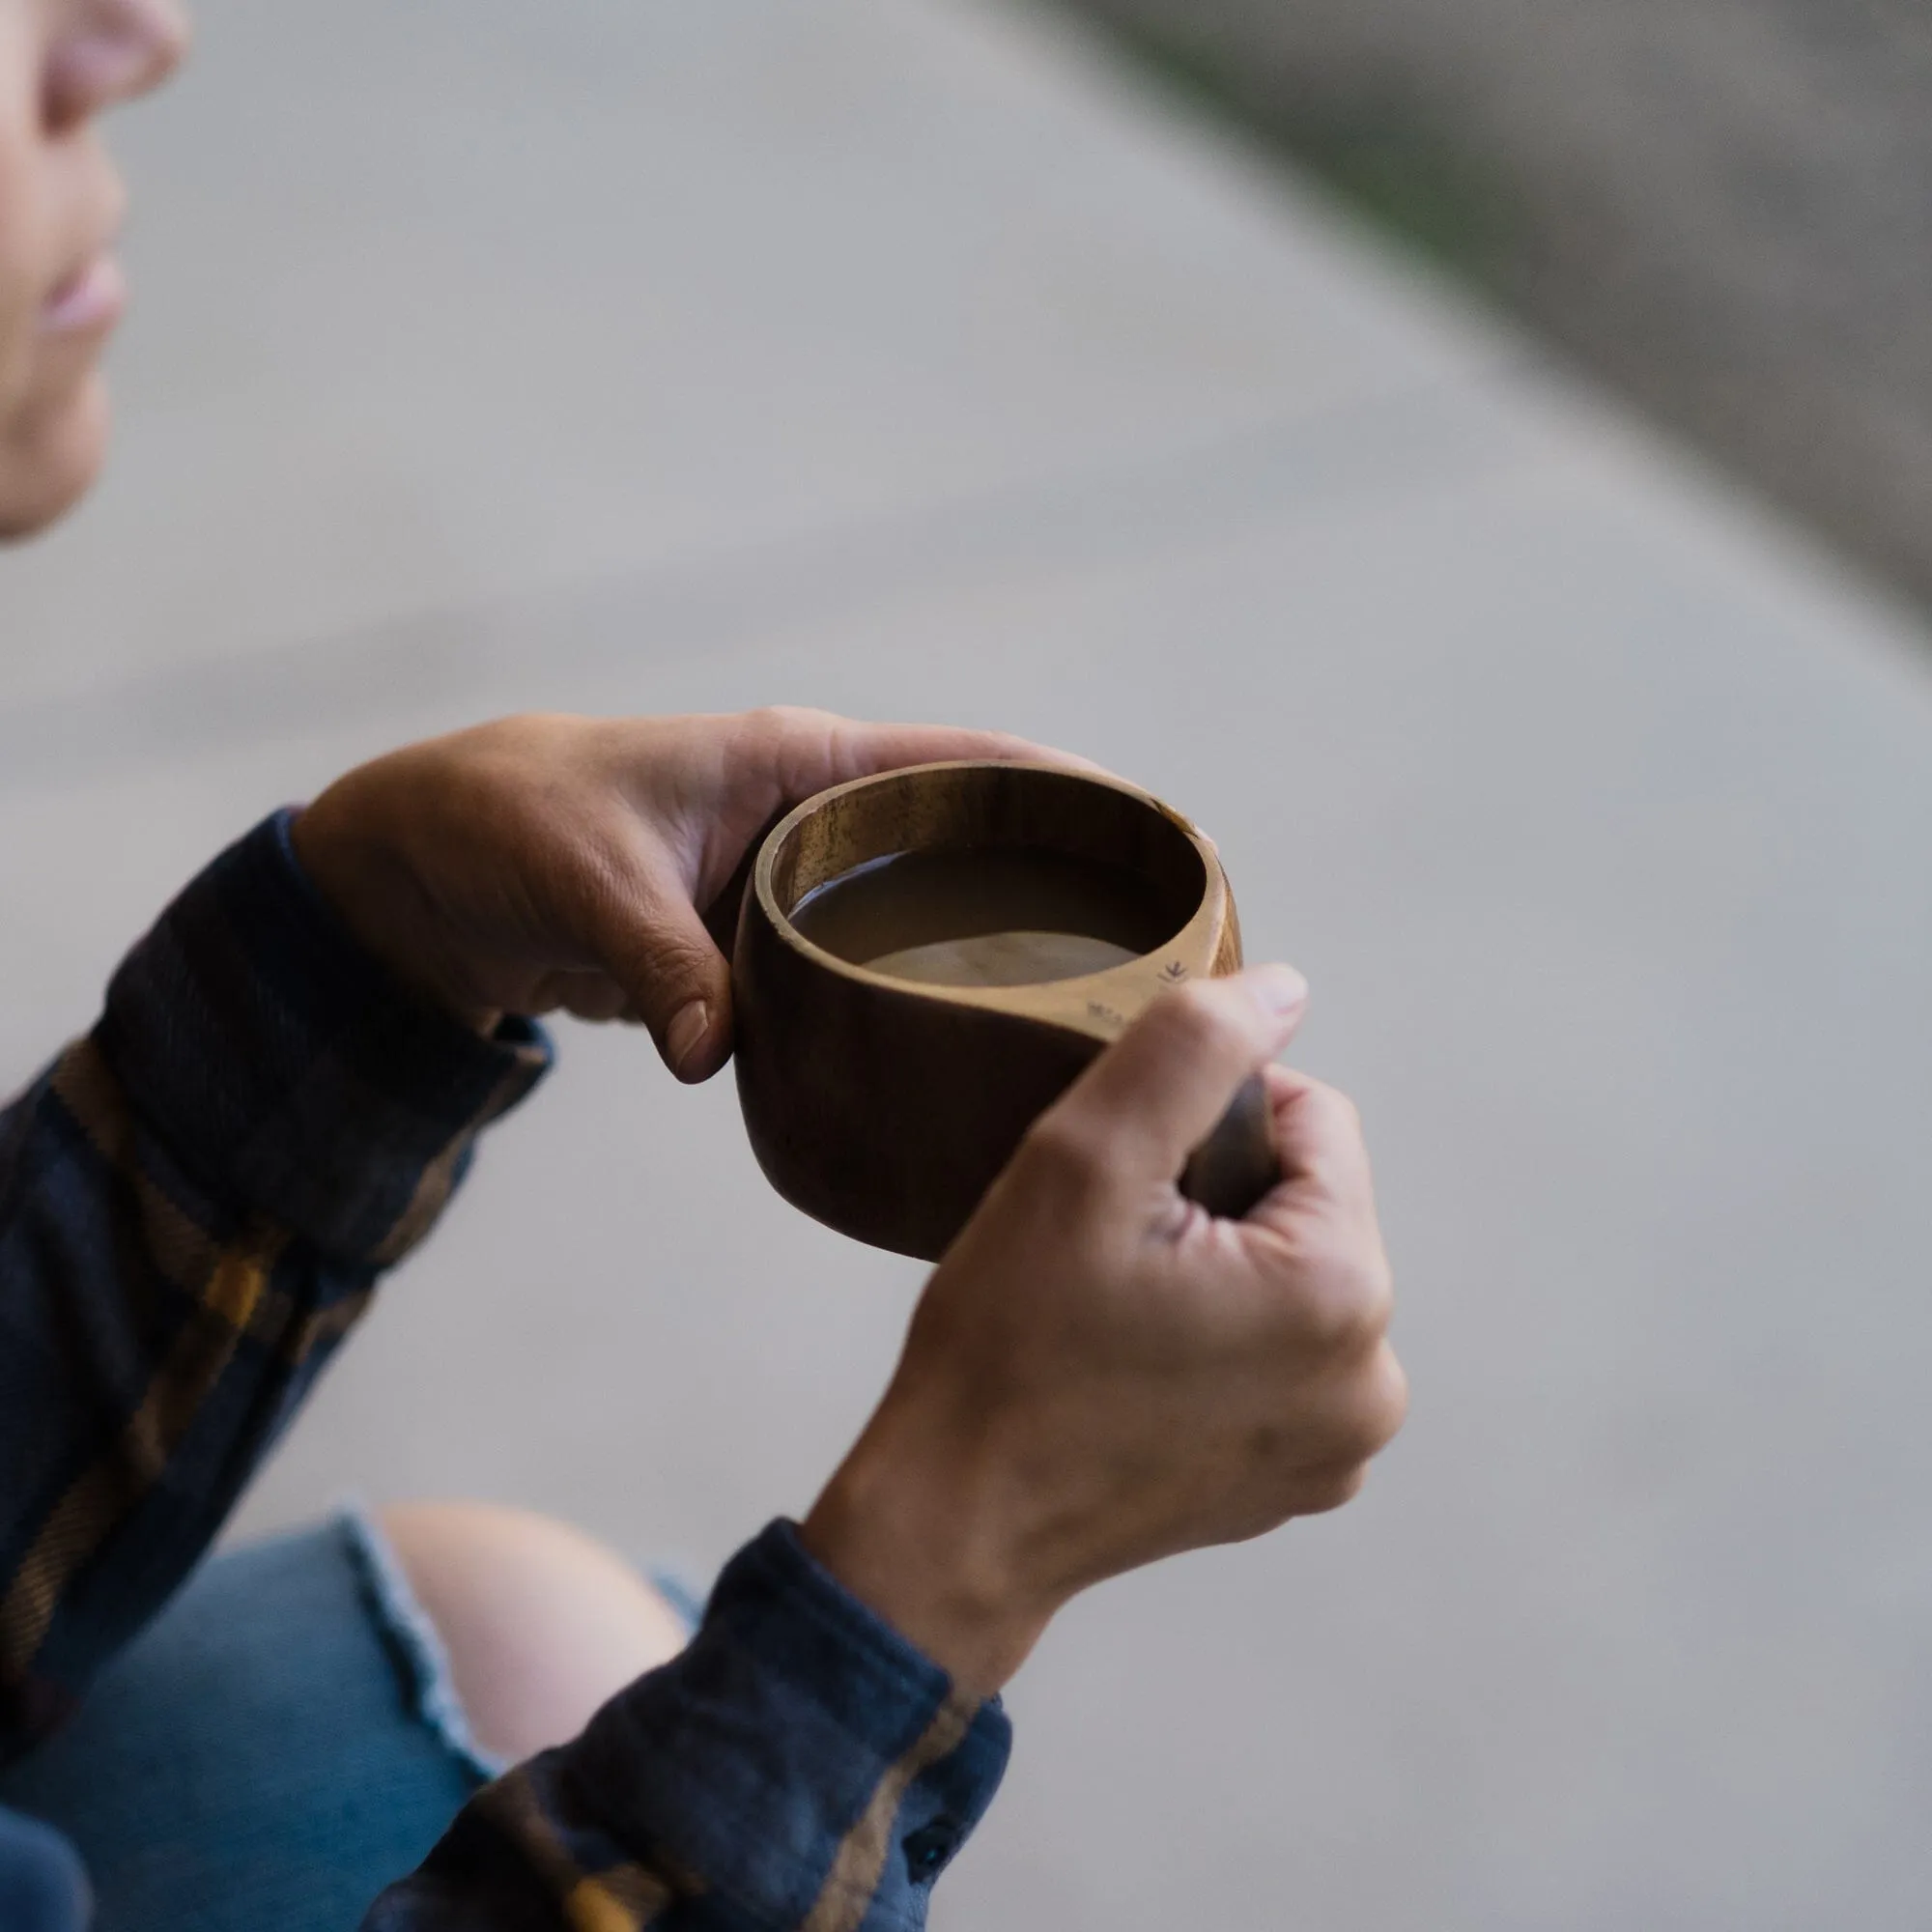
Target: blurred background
1473,460
1718,205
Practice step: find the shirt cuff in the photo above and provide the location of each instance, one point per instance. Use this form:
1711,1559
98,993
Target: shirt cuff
288,1071
800,1759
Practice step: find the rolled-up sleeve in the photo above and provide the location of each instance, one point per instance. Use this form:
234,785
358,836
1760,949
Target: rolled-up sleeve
799,1767
196,1200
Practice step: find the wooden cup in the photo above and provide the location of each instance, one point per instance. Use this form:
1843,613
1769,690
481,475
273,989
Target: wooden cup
885,1107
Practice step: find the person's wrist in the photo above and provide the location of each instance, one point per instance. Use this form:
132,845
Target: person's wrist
916,1532
370,888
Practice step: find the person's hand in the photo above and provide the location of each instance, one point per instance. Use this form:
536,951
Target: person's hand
1099,1374
546,862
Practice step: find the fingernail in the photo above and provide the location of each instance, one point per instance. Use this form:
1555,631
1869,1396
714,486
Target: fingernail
1281,989
686,1033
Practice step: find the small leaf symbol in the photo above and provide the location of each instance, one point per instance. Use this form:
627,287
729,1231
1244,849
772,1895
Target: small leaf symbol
1174,970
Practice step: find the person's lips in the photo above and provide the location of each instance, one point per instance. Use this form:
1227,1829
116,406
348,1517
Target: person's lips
92,298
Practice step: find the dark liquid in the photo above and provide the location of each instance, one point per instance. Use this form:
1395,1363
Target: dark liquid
1004,916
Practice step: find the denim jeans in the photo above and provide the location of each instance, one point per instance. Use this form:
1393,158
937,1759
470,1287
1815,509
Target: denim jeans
275,1748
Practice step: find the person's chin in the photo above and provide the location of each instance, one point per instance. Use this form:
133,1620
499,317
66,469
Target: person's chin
48,463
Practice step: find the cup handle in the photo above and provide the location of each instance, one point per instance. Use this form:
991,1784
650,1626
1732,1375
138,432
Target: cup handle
1237,1165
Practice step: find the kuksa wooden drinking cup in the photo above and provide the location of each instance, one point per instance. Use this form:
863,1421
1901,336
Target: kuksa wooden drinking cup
884,1107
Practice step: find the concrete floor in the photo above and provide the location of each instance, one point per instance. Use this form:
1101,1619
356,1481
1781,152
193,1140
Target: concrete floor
894,357
1717,206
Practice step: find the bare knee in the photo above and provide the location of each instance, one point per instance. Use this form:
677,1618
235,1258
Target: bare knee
542,1623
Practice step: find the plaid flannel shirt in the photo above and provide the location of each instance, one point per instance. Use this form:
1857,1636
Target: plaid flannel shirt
196,1201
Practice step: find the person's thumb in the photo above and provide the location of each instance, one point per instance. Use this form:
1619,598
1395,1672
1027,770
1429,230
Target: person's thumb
653,943
1156,1095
